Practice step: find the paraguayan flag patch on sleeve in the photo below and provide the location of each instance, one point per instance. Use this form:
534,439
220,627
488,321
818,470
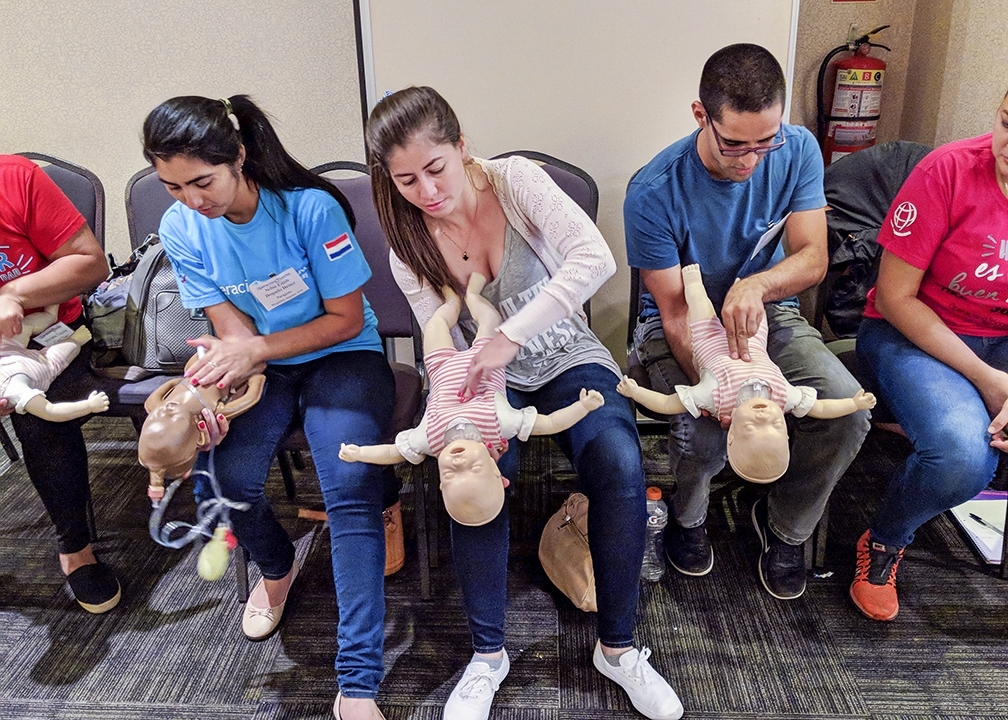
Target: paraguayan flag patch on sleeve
339,247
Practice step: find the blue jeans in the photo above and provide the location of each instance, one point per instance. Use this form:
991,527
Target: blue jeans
605,451
821,450
342,397
944,417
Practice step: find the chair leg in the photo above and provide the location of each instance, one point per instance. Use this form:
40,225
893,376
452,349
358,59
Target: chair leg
815,546
819,558
1004,548
8,445
420,513
432,499
287,474
241,574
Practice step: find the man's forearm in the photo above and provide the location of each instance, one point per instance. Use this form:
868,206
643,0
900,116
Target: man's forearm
792,275
677,335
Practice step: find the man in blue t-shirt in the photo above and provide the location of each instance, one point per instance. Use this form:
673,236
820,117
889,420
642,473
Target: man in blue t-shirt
721,197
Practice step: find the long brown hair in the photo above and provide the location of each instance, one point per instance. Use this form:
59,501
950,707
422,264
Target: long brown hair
394,122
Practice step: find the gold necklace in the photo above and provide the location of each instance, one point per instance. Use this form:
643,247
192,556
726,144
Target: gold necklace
465,250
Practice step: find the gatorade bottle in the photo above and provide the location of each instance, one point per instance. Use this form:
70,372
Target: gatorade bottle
654,565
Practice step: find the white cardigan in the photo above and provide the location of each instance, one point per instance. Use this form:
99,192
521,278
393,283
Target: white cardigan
564,238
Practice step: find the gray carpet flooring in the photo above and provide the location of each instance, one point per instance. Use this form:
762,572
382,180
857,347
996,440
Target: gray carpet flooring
173,649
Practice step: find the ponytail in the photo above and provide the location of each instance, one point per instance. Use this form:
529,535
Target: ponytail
215,130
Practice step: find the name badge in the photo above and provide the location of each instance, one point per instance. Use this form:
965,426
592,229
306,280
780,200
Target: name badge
278,289
53,334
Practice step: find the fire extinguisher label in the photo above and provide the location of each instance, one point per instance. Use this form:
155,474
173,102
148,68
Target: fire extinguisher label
853,134
854,76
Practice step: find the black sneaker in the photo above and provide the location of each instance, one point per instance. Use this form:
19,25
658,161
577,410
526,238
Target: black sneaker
95,587
781,565
688,549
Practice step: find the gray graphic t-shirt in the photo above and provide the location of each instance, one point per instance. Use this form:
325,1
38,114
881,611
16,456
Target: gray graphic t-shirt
566,344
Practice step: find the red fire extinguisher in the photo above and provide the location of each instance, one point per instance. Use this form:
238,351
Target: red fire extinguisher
854,105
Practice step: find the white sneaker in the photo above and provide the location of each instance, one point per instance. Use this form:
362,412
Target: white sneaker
649,693
471,698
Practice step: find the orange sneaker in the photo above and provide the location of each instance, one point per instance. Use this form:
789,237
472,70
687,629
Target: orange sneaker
874,586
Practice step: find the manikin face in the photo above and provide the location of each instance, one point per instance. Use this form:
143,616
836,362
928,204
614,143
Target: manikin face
211,190
735,130
758,418
468,458
470,482
757,441
999,143
430,176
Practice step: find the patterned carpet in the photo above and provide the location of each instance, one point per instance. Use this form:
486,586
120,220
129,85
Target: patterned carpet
174,649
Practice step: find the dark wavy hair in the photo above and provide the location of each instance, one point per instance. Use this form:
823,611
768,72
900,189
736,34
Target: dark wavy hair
200,127
742,78
394,122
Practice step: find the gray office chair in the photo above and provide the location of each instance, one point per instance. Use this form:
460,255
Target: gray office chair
575,182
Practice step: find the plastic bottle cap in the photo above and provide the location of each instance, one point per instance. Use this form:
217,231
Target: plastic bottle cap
654,493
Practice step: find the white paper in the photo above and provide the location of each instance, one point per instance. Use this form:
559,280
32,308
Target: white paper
278,289
53,334
772,232
991,507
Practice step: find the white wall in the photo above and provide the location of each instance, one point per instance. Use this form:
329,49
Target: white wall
603,85
77,79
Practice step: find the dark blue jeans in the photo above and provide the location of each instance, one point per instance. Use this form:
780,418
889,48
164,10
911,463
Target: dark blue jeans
342,397
605,451
944,417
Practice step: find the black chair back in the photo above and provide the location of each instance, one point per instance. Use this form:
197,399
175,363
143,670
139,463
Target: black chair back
574,181
80,185
859,188
147,199
578,185
395,318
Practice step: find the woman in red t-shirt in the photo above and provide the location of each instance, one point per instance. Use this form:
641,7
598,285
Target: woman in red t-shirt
49,255
933,345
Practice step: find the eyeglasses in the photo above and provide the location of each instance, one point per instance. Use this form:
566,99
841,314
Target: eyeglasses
746,149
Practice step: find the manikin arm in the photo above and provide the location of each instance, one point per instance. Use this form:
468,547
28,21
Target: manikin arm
38,406
569,416
651,399
253,391
827,409
373,454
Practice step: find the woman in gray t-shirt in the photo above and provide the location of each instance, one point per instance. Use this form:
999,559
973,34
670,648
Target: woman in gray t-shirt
447,215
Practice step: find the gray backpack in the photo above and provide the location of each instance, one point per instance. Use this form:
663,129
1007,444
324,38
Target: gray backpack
155,324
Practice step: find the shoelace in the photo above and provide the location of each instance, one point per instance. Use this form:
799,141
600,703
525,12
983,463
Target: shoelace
479,679
640,670
886,562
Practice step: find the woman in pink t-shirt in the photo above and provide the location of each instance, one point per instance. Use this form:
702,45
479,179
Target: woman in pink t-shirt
933,345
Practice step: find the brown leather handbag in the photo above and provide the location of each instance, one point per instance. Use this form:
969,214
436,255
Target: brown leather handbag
564,554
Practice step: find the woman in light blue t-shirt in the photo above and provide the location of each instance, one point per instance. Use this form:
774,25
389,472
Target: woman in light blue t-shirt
266,248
